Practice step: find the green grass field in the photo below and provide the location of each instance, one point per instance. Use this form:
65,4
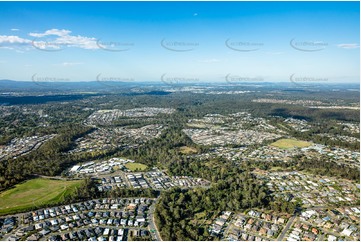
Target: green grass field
136,166
187,150
35,193
196,125
290,143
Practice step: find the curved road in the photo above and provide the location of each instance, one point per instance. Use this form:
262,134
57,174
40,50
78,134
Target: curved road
152,226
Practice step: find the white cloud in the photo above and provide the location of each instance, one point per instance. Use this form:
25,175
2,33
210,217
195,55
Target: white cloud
348,46
63,39
57,32
52,39
78,41
12,39
15,29
45,45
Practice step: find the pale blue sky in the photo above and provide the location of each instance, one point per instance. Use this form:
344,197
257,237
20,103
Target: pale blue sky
203,40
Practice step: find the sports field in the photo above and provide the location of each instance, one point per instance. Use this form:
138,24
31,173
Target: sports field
290,143
136,166
34,193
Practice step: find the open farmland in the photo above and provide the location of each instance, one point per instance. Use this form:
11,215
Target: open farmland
35,192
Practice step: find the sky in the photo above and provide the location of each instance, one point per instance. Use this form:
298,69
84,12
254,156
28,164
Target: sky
187,41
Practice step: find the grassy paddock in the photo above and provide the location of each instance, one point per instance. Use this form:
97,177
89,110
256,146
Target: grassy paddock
290,143
136,166
187,150
35,193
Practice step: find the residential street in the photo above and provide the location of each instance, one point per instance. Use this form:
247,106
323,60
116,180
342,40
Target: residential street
152,226
283,233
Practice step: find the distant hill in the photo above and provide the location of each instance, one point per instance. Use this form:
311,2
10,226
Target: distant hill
10,85
14,84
